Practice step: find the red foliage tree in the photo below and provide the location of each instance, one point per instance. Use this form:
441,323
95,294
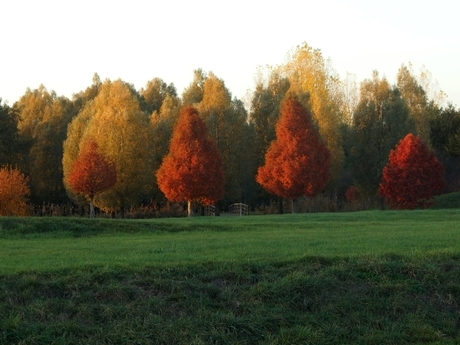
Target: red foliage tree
352,194
91,173
412,176
297,163
13,192
192,170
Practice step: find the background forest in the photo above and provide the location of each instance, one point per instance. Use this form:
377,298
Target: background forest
42,134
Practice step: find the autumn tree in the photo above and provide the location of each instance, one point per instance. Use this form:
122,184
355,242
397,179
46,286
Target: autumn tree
154,94
298,162
162,124
192,170
115,121
14,192
381,119
416,100
80,99
193,94
413,175
226,120
264,113
43,119
319,88
91,173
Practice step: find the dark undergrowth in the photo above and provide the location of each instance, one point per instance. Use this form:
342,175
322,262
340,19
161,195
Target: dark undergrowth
389,299
12,227
447,201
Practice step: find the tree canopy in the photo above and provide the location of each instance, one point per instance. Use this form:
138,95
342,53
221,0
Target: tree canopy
312,77
91,173
14,192
43,133
192,170
43,119
381,119
115,121
297,163
413,175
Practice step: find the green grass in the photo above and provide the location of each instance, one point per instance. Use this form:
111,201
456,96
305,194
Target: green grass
389,277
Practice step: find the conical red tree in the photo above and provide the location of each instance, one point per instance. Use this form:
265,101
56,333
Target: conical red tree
413,175
91,173
297,163
192,170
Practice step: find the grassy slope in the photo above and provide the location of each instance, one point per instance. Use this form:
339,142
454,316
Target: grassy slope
446,201
361,278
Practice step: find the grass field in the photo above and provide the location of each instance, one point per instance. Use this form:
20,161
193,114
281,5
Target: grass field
378,277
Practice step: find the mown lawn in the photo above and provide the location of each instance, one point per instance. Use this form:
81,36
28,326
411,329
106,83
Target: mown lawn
343,278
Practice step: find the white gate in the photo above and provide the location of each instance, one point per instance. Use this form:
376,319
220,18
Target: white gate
238,209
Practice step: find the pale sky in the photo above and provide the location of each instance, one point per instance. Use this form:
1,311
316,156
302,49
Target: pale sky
61,44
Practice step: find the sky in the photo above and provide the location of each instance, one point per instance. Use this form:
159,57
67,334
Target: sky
61,44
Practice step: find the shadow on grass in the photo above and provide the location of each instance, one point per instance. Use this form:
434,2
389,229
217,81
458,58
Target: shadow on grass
390,299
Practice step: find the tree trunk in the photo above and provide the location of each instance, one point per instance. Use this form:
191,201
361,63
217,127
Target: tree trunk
189,208
218,208
91,208
382,202
280,205
292,206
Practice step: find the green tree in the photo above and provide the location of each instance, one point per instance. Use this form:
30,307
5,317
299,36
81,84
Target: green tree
9,137
380,121
114,120
226,120
416,100
445,139
162,123
264,113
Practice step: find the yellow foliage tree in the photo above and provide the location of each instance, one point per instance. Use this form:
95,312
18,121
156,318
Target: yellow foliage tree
13,192
318,85
114,120
226,120
416,100
162,123
43,120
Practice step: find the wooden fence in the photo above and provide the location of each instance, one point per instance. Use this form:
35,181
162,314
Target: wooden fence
238,209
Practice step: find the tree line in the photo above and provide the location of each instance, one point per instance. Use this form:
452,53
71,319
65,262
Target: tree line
43,134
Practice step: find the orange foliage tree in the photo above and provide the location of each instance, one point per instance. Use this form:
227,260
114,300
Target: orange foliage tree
192,170
91,173
297,163
13,192
413,175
